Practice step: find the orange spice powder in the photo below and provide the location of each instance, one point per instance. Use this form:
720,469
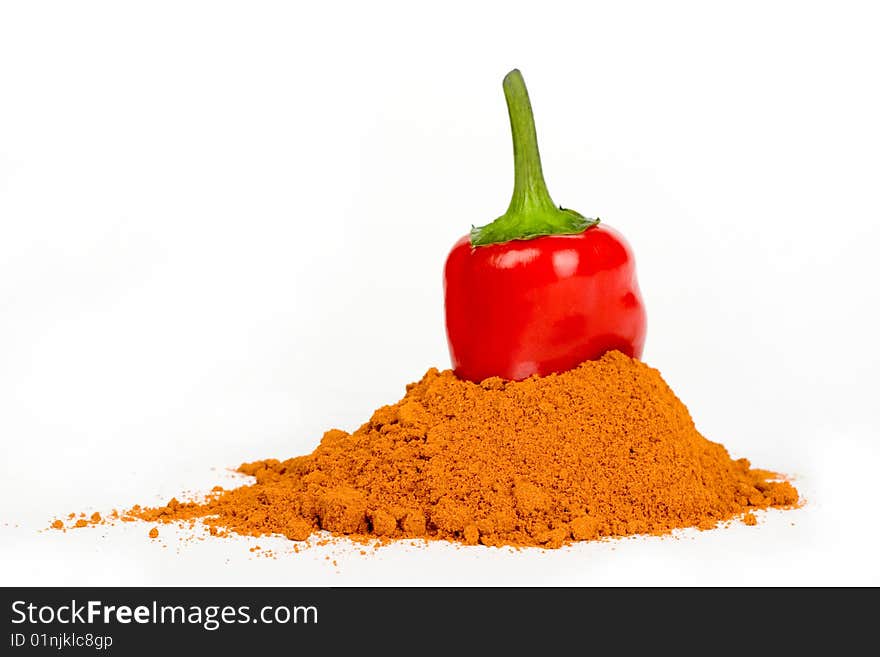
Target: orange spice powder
603,450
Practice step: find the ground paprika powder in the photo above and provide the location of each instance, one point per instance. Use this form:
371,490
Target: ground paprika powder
603,450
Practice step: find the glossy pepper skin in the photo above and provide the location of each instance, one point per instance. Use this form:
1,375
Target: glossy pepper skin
543,305
541,289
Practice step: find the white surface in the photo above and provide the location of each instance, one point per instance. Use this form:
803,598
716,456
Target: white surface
222,228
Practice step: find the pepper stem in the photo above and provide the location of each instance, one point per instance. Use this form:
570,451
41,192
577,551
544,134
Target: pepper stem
531,212
529,188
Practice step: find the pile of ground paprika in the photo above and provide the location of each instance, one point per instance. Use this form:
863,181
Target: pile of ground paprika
603,450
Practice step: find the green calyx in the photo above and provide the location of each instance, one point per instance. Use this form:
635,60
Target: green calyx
532,212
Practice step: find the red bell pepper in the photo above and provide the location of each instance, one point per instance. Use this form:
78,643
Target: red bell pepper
540,289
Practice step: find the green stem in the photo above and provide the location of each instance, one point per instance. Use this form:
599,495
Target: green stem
531,212
529,189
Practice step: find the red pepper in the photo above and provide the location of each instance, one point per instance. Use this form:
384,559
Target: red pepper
540,289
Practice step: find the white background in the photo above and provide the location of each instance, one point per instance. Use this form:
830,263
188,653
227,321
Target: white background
222,227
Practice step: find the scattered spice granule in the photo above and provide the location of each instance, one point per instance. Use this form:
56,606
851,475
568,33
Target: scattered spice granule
604,450
154,533
750,519
57,524
81,523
